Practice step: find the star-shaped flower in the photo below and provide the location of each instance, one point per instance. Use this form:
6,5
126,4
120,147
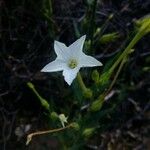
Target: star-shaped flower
70,59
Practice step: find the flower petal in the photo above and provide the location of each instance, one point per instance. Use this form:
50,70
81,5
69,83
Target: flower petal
77,46
56,65
70,74
61,50
88,61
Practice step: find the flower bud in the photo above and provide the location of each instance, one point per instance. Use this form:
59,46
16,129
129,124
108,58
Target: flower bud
106,38
54,115
143,24
111,16
88,132
96,105
95,76
88,93
30,85
97,32
75,126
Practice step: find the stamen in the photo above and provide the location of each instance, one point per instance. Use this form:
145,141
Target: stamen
72,63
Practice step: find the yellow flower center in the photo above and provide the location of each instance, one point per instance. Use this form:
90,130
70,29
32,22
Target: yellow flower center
72,63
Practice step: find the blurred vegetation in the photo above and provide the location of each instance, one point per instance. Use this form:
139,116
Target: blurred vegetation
112,112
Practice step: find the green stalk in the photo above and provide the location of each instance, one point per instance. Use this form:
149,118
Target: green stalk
92,22
116,76
86,91
50,7
103,28
48,14
43,101
81,83
137,37
96,105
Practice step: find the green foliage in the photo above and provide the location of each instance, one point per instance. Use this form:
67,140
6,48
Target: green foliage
85,124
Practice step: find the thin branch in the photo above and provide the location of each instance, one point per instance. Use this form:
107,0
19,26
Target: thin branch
29,137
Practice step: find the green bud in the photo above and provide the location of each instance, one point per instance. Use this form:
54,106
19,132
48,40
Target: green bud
88,93
142,20
54,116
87,44
111,16
30,85
97,32
75,126
96,105
110,37
95,76
131,51
143,24
146,69
45,104
88,132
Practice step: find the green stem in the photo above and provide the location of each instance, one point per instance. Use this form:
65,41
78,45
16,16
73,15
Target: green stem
87,92
102,29
50,7
137,37
92,22
48,14
42,100
96,105
116,76
81,83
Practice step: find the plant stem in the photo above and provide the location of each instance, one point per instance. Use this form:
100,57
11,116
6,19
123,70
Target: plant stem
123,56
102,29
87,92
81,83
137,37
116,76
50,7
42,100
92,23
29,137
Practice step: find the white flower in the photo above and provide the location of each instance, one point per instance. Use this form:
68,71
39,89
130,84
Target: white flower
70,60
63,119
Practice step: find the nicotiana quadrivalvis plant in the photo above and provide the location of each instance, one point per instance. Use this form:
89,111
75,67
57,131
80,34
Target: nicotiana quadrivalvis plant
70,59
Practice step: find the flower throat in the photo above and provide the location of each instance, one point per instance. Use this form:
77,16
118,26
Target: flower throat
72,63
